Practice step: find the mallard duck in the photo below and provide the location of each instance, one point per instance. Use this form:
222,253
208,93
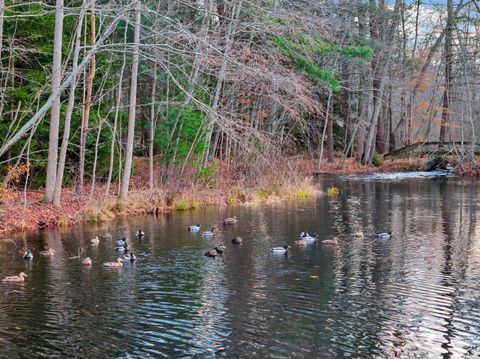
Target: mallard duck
210,233
212,253
106,235
95,241
231,220
358,234
302,234
300,242
220,248
130,257
28,255
15,278
308,239
194,228
117,264
123,248
139,233
333,242
385,235
280,250
122,242
86,261
237,240
48,253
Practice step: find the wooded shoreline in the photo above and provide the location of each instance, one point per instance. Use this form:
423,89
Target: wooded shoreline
86,86
297,184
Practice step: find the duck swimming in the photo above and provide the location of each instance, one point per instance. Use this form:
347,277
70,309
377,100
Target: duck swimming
139,233
117,264
209,233
131,257
237,240
86,261
49,253
300,242
194,228
122,242
220,249
28,255
123,248
15,278
212,253
308,238
95,241
385,235
280,250
231,220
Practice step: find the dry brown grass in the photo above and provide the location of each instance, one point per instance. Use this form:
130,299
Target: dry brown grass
281,179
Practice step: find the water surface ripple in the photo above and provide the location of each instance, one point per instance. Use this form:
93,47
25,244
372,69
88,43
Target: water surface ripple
415,296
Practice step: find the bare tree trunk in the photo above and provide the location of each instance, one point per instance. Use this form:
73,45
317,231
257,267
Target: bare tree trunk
2,12
380,76
426,65
346,108
153,124
132,106
88,100
330,134
322,139
94,171
362,103
382,133
221,77
117,110
448,73
68,115
391,142
55,112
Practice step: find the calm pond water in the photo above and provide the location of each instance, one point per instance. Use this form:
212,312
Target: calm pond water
417,295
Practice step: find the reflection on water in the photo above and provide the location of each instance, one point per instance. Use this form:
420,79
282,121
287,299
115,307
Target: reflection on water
417,295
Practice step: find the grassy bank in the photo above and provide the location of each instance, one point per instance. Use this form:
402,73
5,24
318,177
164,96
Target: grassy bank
290,179
25,211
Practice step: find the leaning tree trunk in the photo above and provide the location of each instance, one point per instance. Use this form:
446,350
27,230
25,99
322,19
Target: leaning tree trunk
132,106
55,112
36,118
420,77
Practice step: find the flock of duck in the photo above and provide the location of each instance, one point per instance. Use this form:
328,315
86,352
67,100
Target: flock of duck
303,240
122,247
219,249
127,255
